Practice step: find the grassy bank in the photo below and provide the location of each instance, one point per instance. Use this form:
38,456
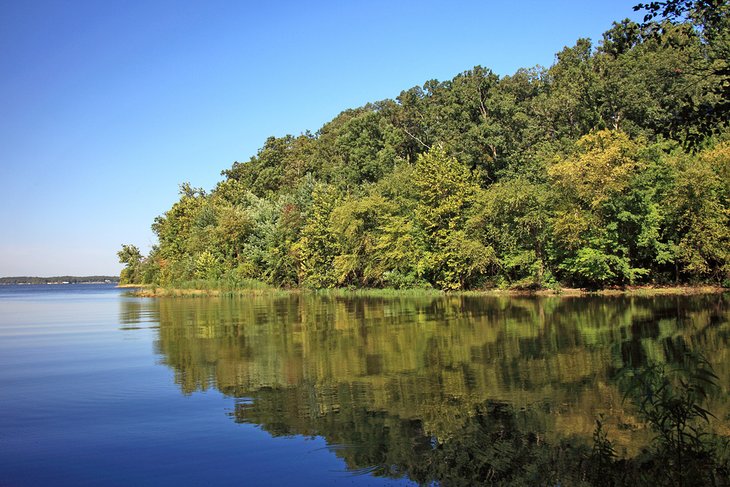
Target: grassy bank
202,288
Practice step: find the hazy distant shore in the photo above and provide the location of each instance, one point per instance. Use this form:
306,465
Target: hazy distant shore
20,280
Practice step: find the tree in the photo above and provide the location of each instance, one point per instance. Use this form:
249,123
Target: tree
454,258
513,217
131,257
317,247
699,209
699,116
571,172
591,242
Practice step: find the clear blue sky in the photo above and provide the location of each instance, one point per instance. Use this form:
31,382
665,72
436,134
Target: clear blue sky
105,107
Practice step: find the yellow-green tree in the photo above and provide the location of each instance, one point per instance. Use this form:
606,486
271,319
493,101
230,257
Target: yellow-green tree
446,193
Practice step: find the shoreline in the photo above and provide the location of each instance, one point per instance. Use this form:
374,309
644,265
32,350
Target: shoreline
150,291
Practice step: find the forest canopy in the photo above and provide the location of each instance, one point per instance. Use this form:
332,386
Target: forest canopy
611,167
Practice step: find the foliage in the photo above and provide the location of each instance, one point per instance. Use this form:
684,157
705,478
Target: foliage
698,115
446,192
609,168
672,401
131,257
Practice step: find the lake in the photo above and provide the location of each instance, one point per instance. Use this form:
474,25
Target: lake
102,388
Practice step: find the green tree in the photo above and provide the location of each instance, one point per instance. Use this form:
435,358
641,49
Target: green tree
455,258
513,217
699,209
131,257
706,111
317,247
592,242
570,172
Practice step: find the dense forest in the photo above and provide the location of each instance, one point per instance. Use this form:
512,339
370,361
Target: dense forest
611,167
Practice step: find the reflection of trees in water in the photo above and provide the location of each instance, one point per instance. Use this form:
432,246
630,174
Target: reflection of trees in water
490,441
399,373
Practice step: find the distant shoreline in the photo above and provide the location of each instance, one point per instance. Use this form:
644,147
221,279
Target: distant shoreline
30,280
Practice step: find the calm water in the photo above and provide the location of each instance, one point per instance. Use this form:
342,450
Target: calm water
100,388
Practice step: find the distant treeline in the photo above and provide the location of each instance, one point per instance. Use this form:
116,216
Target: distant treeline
58,279
611,167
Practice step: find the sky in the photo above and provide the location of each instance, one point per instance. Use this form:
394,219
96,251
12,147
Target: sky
106,107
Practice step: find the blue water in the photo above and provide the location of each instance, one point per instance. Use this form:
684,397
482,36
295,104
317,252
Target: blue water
86,400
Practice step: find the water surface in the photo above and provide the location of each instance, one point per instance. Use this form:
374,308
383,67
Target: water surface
101,388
